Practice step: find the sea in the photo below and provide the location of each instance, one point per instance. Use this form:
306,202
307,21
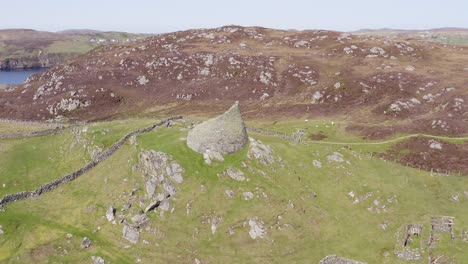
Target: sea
18,76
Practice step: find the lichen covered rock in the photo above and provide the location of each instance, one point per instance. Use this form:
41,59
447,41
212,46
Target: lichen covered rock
224,134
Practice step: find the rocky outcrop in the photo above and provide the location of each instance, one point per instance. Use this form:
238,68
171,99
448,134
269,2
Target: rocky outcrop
160,172
224,134
260,152
131,234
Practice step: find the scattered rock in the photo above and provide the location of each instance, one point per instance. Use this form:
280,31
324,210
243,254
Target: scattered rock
127,206
153,205
336,157
165,205
410,68
110,213
214,224
210,155
317,164
98,260
435,145
257,229
229,193
224,134
188,206
86,243
140,220
377,50
131,234
248,196
142,80
174,170
317,97
235,174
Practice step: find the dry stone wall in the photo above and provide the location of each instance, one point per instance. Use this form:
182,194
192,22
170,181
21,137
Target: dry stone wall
10,198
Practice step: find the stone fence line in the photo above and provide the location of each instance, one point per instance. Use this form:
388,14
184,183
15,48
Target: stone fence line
32,123
274,134
32,133
10,198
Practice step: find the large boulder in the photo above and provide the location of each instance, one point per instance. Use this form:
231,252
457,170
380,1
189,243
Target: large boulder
224,134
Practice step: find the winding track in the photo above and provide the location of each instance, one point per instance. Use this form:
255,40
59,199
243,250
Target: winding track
10,198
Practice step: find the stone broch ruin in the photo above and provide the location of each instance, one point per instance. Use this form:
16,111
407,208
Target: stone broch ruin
224,134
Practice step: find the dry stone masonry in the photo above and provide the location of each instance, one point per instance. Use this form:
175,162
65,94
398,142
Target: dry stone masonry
223,135
10,198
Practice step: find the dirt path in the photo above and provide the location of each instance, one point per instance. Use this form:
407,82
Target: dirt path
290,138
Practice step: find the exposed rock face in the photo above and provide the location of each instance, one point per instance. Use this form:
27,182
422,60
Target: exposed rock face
260,151
224,134
160,173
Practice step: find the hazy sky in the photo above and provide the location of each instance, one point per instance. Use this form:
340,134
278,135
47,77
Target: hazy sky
153,16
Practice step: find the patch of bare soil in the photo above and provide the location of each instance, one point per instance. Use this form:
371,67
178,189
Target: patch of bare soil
431,155
318,136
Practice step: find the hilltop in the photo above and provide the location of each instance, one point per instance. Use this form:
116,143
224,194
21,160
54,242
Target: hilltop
28,48
380,85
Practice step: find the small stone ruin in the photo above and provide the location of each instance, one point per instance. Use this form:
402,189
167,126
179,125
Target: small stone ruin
442,224
411,231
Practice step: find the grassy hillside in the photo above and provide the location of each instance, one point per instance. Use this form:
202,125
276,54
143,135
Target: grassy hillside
23,48
309,211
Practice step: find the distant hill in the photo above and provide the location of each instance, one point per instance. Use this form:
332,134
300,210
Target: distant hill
27,48
448,35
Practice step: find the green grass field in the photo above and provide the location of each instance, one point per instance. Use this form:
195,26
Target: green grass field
300,228
11,128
